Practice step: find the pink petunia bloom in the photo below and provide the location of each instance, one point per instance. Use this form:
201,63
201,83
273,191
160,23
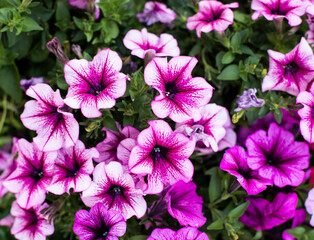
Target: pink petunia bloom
94,85
213,126
212,15
307,115
309,205
277,157
162,155
234,162
263,215
142,41
115,188
30,224
156,12
86,4
47,115
299,218
73,168
187,233
181,96
32,176
292,10
185,205
99,223
108,147
290,72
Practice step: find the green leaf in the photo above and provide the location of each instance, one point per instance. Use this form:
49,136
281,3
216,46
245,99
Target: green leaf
230,72
236,41
10,82
297,232
62,12
214,186
309,234
238,211
38,53
30,24
110,30
216,225
228,58
218,59
278,115
139,237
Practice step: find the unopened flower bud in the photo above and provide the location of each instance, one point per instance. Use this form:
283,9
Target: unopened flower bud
54,46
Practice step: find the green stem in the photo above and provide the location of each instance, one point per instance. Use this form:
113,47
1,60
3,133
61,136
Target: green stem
4,114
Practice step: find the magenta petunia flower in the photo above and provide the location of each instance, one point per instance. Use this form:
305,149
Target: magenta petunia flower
32,175
156,12
94,85
299,218
187,233
30,224
26,83
292,10
290,72
307,115
99,223
210,129
115,188
108,147
142,41
86,4
47,115
234,162
73,167
162,155
276,156
185,205
181,96
309,205
263,215
212,15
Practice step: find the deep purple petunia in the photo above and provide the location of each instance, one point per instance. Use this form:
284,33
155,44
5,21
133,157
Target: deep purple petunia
114,187
108,147
277,157
299,218
26,83
263,215
185,205
142,41
30,224
156,12
212,15
187,233
162,155
234,162
94,85
99,223
32,176
290,72
292,10
47,115
73,168
181,96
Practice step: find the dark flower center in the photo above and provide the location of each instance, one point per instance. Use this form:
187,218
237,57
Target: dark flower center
74,171
102,232
291,68
246,174
158,153
215,15
37,175
97,89
115,190
312,112
277,12
170,90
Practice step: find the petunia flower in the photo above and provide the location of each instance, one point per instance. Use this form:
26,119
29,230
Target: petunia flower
162,155
26,83
32,175
73,168
108,147
156,12
212,15
187,233
263,215
210,129
99,223
30,224
292,10
47,115
307,115
248,99
185,205
309,205
299,218
142,41
277,157
290,72
94,85
234,162
89,5
181,96
115,188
